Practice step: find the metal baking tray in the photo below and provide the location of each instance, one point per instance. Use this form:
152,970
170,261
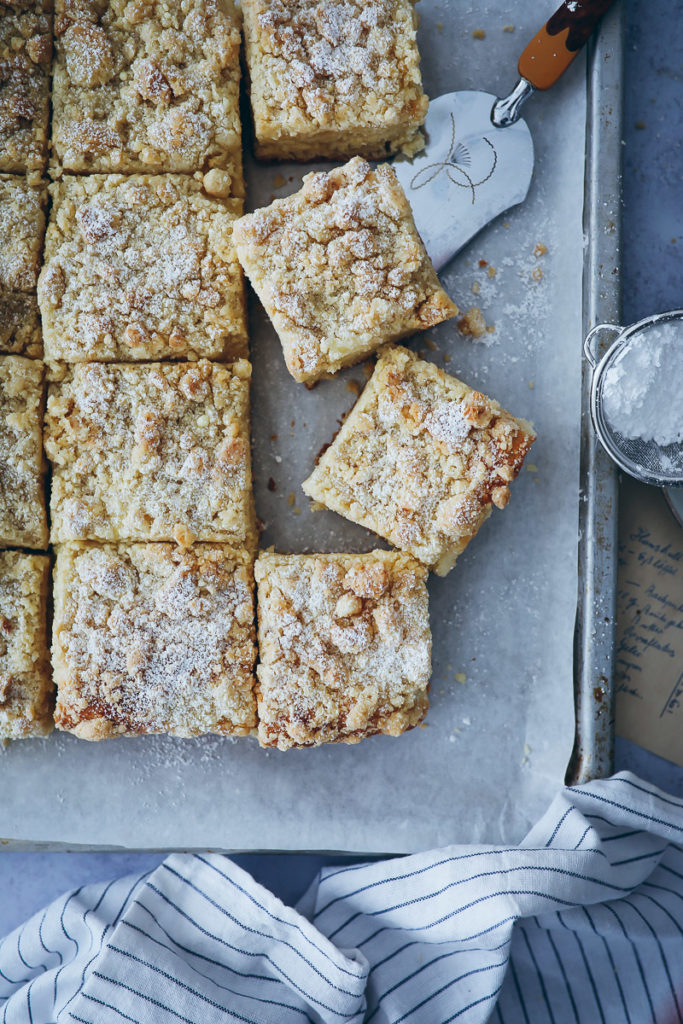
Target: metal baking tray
594,645
167,767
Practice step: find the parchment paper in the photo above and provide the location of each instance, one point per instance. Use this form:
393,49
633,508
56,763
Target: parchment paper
496,743
649,666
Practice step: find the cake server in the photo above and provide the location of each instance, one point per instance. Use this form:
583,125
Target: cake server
479,157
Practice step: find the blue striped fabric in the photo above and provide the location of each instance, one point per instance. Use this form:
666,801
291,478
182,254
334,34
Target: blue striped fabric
583,922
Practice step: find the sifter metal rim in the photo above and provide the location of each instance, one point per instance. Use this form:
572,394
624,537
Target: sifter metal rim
599,364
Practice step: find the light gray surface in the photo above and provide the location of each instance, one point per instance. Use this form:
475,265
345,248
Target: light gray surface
652,279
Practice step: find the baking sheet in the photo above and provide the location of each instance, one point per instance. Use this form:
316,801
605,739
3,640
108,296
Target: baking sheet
499,733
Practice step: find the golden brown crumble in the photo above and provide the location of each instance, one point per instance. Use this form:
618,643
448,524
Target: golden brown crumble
150,638
25,680
340,268
22,496
25,56
140,267
158,451
334,78
421,459
147,85
345,647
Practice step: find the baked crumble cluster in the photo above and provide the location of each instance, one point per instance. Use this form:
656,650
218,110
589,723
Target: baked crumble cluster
334,78
141,267
340,268
22,228
26,690
421,459
146,427
152,638
147,85
344,645
23,521
151,452
25,57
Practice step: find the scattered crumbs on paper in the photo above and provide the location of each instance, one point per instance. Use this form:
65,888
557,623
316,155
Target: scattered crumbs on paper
537,274
530,467
476,288
527,751
446,357
640,125
430,343
296,510
531,385
439,26
540,250
272,486
354,387
279,181
479,33
473,323
508,28
492,271
460,677
291,499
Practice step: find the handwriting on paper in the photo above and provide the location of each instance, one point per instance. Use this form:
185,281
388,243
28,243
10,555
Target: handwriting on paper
649,664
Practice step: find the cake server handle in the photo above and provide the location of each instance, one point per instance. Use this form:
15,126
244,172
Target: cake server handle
550,53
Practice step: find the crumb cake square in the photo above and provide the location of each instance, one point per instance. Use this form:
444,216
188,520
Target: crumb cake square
157,451
22,227
148,85
25,58
23,521
340,268
421,459
334,78
151,638
20,332
25,678
344,646
140,267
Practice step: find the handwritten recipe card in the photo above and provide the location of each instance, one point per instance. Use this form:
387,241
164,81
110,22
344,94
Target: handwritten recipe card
649,668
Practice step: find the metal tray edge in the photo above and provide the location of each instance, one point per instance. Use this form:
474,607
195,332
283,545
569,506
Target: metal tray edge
595,631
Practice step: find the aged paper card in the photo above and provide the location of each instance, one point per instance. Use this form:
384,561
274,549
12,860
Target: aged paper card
649,668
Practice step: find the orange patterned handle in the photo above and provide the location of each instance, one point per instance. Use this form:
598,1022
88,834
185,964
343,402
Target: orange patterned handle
552,50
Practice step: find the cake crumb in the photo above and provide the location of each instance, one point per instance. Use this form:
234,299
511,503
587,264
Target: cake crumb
508,28
492,271
291,499
540,250
439,26
460,677
473,323
272,486
531,385
537,274
531,467
475,288
354,387
279,180
479,33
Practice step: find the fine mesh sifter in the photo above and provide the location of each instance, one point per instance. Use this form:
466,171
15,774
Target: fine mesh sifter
626,373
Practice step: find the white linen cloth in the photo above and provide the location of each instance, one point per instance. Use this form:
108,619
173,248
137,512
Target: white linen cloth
583,922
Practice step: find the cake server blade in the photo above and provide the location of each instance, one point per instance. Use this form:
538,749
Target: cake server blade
479,157
469,173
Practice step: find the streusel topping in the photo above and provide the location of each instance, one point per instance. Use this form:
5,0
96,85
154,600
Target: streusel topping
340,268
22,497
22,225
421,459
147,85
25,54
150,638
345,646
140,267
151,452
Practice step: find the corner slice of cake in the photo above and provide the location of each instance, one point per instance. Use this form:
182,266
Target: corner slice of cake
141,267
340,268
25,679
148,85
333,78
25,58
421,459
23,521
344,646
153,639
157,451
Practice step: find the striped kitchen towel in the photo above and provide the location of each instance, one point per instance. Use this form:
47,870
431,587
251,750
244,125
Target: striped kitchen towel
583,922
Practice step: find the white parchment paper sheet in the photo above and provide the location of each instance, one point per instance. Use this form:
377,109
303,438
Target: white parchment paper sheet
495,746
